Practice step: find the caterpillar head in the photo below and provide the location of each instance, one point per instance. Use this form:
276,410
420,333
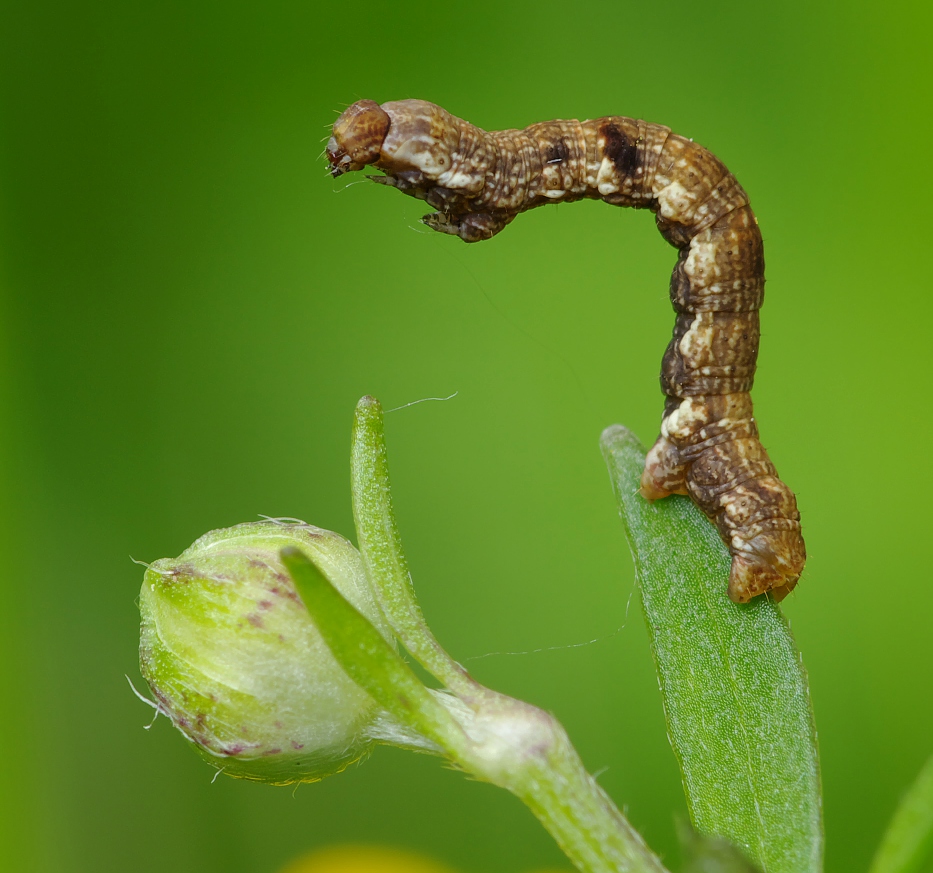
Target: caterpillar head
403,137
358,136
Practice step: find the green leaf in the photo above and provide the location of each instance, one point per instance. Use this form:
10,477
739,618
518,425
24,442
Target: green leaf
908,841
366,657
733,685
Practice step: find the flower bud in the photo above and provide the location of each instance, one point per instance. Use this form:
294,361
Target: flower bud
234,659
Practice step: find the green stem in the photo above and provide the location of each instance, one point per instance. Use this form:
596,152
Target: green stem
495,738
540,766
382,552
491,736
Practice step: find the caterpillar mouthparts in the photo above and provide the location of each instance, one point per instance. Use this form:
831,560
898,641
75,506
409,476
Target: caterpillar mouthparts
709,447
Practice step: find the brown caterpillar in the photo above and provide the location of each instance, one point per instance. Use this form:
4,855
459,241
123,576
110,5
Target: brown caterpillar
479,181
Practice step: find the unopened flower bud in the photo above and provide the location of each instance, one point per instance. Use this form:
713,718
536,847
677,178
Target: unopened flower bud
234,659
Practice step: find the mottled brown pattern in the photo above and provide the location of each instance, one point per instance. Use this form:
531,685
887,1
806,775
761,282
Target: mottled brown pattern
478,181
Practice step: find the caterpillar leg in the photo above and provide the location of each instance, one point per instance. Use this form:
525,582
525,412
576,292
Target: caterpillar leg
766,568
736,485
471,227
709,449
664,473
767,555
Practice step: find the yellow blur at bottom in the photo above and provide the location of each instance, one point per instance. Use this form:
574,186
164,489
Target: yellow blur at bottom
369,859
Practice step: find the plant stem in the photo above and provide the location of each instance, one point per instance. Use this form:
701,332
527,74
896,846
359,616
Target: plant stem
491,736
545,772
381,547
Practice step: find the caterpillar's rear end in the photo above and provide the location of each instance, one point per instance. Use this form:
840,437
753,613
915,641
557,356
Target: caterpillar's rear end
479,181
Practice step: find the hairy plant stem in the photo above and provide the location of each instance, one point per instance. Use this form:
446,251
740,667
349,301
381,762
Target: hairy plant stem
541,767
491,736
381,547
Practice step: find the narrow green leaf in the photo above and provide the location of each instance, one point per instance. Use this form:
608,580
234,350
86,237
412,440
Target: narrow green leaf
733,685
366,657
908,841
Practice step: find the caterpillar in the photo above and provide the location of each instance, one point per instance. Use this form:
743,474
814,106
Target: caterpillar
709,447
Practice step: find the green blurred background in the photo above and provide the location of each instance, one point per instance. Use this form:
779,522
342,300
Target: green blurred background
190,307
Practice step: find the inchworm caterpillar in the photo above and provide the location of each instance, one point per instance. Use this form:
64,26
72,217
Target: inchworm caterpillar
479,181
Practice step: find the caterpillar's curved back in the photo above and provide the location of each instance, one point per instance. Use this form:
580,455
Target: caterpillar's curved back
478,181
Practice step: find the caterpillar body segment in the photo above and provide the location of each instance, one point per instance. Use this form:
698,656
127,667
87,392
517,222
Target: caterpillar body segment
479,181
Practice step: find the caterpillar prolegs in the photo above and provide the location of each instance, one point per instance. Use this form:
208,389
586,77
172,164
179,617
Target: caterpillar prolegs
478,181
